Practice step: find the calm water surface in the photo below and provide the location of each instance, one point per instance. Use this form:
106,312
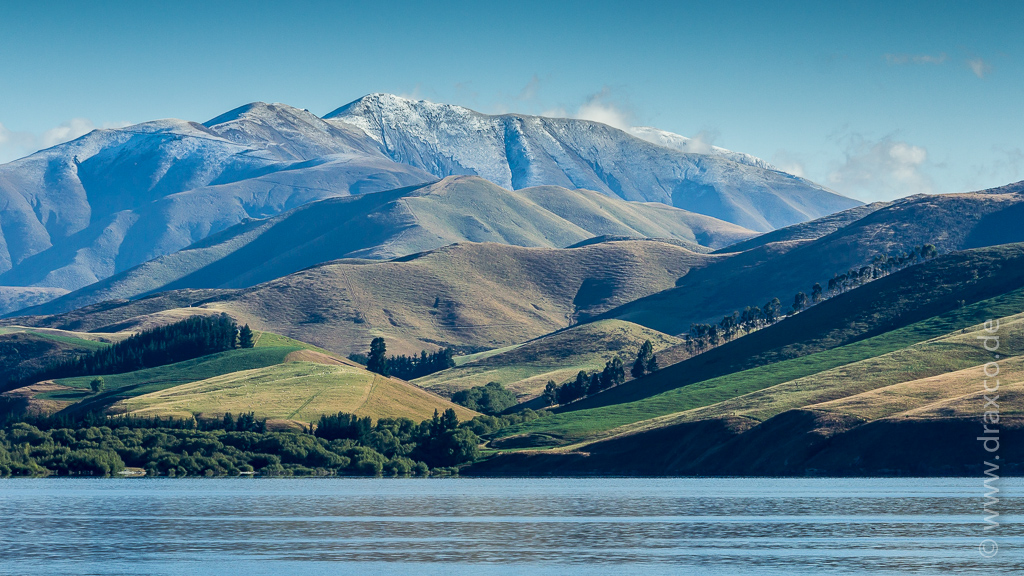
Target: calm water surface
464,526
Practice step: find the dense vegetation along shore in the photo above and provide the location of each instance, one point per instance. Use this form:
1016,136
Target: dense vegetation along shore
338,445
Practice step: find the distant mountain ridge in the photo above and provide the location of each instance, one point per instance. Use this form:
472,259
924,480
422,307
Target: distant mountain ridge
88,209
801,255
386,225
519,151
84,210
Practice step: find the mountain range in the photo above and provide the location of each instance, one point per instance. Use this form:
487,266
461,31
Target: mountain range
386,225
113,199
597,301
475,295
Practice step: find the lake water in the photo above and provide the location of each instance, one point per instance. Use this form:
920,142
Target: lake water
471,526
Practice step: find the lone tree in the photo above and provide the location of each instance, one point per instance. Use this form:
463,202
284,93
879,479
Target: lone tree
614,373
643,360
246,339
377,360
773,310
799,301
551,393
97,385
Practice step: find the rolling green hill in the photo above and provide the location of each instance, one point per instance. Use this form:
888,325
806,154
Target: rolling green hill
526,368
829,337
298,391
119,386
281,379
912,411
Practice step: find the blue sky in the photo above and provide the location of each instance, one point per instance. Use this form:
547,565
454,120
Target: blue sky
875,100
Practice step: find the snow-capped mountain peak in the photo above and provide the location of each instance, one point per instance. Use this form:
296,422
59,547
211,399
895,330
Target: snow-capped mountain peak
695,146
518,151
114,198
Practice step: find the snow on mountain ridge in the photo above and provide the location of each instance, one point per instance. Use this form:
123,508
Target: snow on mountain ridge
113,198
693,146
394,107
517,151
291,133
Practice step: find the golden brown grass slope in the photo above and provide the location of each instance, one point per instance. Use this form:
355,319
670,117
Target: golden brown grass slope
297,391
476,296
526,368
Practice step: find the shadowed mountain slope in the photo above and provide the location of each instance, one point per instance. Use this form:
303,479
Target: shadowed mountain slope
781,269
806,230
919,292
92,207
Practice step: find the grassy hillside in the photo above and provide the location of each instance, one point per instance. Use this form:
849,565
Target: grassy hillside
108,316
386,225
600,215
906,353
781,269
954,282
119,386
811,230
474,296
950,394
872,388
526,368
296,391
280,378
24,351
913,411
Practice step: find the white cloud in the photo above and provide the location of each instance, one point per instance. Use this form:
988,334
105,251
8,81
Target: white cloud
702,142
14,145
881,169
67,131
788,162
599,108
916,58
980,67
